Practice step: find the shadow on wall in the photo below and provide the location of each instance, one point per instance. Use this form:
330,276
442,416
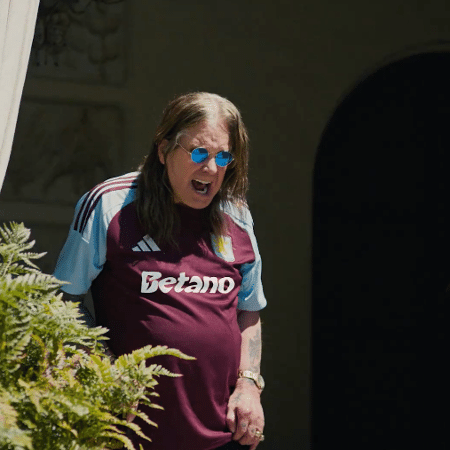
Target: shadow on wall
381,246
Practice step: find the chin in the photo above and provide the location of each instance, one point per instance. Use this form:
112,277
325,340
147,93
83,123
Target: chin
194,204
198,205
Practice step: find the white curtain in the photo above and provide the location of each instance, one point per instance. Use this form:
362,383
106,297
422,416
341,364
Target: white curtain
17,22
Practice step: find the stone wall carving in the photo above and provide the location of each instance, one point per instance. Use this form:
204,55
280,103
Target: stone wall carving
61,150
80,40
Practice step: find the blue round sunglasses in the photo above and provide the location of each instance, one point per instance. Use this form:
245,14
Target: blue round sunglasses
200,154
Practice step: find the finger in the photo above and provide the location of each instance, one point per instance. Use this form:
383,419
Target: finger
256,440
231,420
251,442
252,437
241,429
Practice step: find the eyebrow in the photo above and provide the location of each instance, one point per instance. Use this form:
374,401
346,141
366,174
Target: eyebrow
211,153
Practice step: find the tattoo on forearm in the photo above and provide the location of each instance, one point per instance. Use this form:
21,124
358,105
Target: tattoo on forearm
255,351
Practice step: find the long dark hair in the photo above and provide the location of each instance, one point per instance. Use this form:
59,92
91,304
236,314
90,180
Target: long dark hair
154,197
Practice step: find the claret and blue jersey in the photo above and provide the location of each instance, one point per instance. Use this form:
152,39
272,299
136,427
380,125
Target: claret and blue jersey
186,298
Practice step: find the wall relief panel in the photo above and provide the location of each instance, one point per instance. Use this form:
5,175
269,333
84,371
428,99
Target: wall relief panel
61,150
80,40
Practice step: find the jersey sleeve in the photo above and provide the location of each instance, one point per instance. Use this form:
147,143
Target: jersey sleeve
251,294
84,252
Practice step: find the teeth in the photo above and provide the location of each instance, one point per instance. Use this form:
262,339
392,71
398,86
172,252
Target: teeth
203,182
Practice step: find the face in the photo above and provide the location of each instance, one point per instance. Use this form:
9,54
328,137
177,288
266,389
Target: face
195,185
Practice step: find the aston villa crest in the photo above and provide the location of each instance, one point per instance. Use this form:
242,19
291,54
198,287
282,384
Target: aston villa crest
223,247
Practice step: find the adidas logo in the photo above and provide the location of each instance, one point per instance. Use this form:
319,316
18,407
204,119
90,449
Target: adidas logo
146,244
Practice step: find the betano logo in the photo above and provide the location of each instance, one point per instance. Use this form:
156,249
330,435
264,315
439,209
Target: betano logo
151,282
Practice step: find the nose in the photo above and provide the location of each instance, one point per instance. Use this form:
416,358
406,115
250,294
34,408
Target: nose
210,165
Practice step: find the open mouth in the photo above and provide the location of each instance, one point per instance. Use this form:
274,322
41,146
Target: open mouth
202,187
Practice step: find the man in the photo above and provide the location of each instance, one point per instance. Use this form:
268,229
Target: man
171,259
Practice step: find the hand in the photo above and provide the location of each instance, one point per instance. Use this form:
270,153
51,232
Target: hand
245,416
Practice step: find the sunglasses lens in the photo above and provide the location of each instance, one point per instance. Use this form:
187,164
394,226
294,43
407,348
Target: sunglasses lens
223,158
198,155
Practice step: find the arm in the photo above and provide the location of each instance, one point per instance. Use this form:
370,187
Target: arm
245,414
250,326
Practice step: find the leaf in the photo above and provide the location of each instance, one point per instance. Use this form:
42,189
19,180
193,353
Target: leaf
145,418
119,437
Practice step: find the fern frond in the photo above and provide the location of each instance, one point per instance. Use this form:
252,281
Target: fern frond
137,429
16,233
119,437
8,412
15,438
159,370
16,352
144,353
145,418
30,283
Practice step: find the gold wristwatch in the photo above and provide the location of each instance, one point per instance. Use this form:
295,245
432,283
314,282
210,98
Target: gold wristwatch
256,377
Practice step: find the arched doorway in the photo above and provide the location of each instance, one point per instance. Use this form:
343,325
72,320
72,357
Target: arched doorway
381,253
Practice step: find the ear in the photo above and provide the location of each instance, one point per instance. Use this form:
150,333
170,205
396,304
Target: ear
161,147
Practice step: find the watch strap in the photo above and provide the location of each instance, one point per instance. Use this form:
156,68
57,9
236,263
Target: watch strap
256,377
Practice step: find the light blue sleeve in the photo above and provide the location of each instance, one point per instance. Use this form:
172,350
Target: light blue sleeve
251,294
84,254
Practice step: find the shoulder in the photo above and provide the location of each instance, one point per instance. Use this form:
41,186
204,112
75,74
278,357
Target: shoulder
105,198
238,212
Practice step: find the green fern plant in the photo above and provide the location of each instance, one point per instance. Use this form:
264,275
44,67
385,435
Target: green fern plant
54,395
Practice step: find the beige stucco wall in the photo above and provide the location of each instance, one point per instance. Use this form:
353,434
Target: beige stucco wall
286,64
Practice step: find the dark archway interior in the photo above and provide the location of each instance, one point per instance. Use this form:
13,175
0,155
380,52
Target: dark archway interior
381,255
